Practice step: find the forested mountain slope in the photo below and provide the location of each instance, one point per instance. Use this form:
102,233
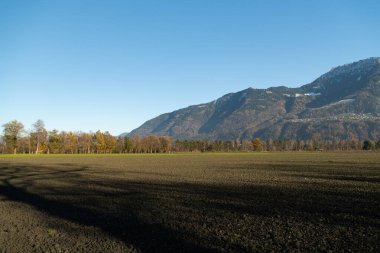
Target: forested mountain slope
344,103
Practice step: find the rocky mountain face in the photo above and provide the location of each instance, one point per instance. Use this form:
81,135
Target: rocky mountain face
344,103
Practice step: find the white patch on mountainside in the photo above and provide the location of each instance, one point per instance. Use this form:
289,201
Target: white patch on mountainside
313,94
343,101
297,95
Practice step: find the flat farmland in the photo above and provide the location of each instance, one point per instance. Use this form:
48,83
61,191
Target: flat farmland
247,202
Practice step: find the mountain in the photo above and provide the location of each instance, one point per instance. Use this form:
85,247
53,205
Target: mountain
344,103
123,134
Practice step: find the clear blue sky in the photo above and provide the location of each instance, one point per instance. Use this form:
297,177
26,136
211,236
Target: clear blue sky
112,65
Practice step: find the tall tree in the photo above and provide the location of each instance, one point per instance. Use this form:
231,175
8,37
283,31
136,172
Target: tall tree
12,131
129,144
39,136
151,144
84,142
72,142
2,145
55,142
110,142
166,143
23,145
137,144
257,144
369,145
100,142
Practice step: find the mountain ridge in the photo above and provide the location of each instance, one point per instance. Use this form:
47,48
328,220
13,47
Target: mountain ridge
346,98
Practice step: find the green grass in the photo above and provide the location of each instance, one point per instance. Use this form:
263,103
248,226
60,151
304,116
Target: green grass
276,153
145,154
51,231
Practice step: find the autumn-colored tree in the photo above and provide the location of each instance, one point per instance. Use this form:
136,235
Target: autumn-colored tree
41,141
100,142
72,142
110,142
257,144
151,144
137,144
166,144
12,133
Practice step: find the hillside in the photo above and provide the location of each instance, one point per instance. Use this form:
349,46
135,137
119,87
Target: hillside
343,103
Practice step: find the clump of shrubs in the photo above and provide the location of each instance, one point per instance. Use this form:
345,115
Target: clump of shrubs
371,145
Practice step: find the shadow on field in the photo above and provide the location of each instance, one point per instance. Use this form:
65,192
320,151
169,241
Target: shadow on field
112,209
148,215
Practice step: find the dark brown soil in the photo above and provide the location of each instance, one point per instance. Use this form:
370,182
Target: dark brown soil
267,202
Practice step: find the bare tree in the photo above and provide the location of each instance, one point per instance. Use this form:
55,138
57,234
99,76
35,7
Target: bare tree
151,144
39,136
84,142
166,143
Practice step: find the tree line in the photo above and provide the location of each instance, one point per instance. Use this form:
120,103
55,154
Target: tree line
15,140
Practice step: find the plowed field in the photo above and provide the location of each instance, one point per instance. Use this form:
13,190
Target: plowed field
261,202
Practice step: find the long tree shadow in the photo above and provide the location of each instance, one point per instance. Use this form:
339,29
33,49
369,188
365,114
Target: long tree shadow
76,204
139,212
